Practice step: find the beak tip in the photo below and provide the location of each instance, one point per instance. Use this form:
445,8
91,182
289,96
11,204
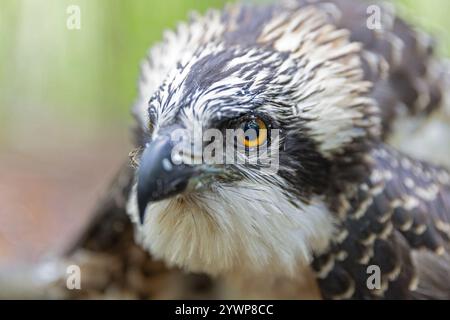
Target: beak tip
142,206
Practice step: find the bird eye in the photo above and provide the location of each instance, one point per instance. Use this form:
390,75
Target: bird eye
254,132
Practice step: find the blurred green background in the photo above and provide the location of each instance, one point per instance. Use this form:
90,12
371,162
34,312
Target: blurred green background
65,97
87,77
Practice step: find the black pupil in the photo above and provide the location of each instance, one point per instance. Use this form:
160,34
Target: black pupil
251,129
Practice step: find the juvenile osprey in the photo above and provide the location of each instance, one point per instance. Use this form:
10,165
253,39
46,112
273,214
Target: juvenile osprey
341,201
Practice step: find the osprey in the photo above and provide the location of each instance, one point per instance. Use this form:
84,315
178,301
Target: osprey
343,199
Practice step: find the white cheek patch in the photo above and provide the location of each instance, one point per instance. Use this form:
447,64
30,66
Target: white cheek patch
245,228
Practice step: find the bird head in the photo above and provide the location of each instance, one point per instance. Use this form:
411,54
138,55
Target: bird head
245,128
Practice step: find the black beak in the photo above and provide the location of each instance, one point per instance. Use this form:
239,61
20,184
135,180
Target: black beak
158,177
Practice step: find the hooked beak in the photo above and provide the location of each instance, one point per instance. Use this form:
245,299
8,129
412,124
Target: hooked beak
158,177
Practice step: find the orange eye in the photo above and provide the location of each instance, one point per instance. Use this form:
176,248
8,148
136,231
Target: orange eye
255,132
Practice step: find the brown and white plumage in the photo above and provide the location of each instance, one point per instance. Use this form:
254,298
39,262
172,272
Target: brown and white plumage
398,219
342,200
